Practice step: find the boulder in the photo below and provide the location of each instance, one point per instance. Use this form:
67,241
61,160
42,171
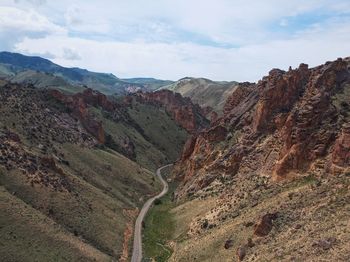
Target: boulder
264,225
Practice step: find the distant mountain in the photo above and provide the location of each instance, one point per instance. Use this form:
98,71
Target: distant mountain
149,83
12,64
203,91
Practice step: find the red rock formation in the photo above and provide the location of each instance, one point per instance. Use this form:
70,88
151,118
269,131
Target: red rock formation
189,147
189,116
279,127
78,105
280,91
240,93
96,99
215,134
341,152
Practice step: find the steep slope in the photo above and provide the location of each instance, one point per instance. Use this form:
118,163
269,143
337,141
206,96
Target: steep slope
203,91
269,181
69,187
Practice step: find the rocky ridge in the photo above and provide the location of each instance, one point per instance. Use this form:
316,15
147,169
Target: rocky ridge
288,124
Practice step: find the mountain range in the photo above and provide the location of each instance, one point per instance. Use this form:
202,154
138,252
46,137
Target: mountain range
39,71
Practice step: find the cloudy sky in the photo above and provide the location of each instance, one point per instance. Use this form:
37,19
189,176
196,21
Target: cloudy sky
170,39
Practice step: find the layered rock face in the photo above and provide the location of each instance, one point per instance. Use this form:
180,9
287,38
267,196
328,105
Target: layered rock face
185,113
287,124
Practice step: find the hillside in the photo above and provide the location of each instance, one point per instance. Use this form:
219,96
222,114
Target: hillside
269,180
74,169
149,84
205,92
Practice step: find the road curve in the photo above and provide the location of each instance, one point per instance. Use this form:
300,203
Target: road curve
137,247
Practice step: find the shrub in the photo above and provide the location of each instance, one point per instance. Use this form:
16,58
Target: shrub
157,201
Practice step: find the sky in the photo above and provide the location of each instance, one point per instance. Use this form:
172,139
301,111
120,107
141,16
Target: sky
240,40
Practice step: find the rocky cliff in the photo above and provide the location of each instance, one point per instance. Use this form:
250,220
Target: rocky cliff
287,124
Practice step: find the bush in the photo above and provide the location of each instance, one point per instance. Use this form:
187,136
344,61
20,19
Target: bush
157,201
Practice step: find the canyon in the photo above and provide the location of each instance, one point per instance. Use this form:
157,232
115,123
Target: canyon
263,176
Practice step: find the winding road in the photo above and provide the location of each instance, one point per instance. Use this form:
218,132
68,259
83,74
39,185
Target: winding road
137,247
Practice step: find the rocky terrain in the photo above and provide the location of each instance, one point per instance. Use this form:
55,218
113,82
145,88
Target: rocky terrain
269,180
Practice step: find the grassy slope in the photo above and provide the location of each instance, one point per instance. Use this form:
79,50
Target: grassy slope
204,92
160,129
161,142
28,235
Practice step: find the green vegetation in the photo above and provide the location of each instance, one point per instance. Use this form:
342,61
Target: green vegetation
160,228
157,138
159,129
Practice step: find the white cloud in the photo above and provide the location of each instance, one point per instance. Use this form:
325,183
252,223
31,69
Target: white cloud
35,2
177,60
26,20
173,39
70,54
72,15
15,24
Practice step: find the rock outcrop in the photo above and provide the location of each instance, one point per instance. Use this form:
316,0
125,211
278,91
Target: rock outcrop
287,124
341,152
264,225
188,115
78,104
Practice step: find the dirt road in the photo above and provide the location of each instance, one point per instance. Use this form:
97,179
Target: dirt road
137,247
